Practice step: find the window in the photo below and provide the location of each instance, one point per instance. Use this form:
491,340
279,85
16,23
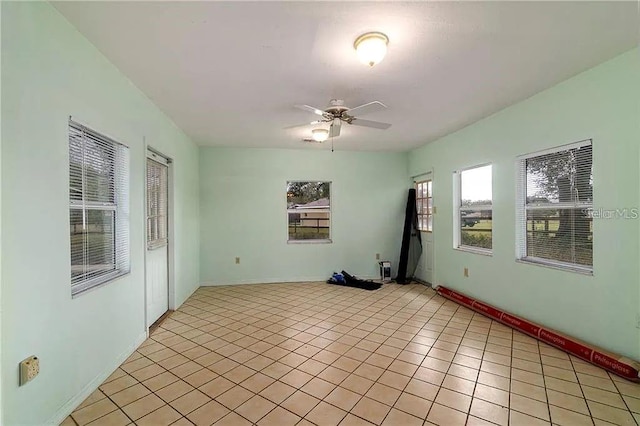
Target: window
555,204
309,211
157,178
473,210
424,204
98,208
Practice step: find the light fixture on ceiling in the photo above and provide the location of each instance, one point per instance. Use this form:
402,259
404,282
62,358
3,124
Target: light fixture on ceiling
320,135
371,47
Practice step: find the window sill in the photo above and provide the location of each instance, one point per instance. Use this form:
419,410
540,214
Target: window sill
556,266
474,250
85,288
329,241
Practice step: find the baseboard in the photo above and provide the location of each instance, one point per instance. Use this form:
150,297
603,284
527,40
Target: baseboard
279,280
71,405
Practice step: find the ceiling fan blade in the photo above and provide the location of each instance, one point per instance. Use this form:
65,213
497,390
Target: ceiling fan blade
367,108
369,123
334,130
304,124
310,109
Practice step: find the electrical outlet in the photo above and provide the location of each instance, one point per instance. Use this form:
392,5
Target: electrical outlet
237,260
29,369
466,272
377,256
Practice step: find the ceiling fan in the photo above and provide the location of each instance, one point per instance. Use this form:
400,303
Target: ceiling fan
337,113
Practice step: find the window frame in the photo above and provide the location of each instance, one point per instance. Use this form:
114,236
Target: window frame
118,207
522,208
289,211
457,208
429,203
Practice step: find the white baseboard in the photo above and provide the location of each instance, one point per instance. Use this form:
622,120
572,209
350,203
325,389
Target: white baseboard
71,405
278,280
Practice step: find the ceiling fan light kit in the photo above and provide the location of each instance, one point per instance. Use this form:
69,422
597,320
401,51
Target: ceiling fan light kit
371,48
320,135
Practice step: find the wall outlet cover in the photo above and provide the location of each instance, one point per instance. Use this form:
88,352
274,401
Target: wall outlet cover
29,369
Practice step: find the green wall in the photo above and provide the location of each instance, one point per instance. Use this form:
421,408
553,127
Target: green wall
49,72
601,104
243,210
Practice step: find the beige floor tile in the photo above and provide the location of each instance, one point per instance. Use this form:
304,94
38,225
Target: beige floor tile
300,403
174,391
114,418
413,405
343,398
208,414
459,385
530,406
296,378
491,394
318,387
611,414
394,380
279,417
519,419
371,410
277,392
357,384
383,393
148,372
490,412
445,416
95,396
200,377
325,414
333,375
397,418
568,402
603,397
428,375
213,388
234,397
233,419
563,386
190,401
458,401
143,406
130,394
562,417
163,416
255,408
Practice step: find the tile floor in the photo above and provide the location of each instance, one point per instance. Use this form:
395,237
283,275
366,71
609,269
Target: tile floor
313,353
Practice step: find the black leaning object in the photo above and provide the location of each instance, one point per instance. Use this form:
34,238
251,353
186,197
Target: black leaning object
411,248
351,281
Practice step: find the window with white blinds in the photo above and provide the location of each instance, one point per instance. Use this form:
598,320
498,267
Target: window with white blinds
98,208
555,205
157,192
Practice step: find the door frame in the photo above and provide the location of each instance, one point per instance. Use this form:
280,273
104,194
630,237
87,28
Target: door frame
153,153
416,178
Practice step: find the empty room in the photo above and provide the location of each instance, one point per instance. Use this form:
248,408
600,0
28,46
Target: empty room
282,213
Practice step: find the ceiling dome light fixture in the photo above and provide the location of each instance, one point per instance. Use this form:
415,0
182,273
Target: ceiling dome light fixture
320,135
371,47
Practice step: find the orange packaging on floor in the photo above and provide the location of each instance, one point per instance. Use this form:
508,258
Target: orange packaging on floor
619,365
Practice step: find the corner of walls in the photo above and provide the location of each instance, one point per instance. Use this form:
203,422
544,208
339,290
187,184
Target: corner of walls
243,213
77,339
600,104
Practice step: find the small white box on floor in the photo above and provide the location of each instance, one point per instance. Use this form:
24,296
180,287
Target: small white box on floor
385,271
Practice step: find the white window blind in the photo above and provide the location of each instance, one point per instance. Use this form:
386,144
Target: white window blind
555,204
157,192
473,213
98,208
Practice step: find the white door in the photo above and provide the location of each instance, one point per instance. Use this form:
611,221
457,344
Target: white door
157,266
424,203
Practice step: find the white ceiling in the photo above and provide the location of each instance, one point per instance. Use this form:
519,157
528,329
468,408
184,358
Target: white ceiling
228,73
